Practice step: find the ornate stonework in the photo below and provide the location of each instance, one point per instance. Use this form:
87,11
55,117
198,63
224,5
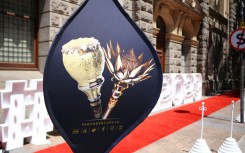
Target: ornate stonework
182,23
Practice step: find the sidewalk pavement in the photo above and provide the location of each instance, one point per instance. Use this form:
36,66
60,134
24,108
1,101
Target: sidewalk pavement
241,144
217,127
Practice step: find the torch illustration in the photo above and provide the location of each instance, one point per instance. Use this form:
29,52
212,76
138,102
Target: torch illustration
84,60
126,70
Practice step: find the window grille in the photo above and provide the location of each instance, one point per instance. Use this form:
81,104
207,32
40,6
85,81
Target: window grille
17,31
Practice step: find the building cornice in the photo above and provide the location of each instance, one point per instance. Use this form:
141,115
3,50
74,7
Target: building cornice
174,38
193,43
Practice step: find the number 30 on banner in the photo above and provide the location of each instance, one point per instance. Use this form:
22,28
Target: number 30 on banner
237,39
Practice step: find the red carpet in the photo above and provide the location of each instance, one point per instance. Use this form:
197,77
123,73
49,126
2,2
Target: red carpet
160,125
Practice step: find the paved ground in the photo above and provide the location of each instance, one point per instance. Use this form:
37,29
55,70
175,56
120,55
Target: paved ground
216,130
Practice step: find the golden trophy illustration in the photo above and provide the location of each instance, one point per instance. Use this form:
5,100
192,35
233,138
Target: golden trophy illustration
84,60
126,69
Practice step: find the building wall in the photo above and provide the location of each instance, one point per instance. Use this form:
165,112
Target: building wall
54,13
182,23
189,45
215,58
233,56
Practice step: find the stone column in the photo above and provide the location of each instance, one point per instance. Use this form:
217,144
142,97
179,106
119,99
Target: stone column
143,17
127,6
155,31
232,14
190,55
232,74
173,53
53,14
203,44
141,12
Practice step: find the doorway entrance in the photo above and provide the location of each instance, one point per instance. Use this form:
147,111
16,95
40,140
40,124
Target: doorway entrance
160,43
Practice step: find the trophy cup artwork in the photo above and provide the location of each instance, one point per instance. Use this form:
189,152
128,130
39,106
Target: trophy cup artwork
127,70
84,60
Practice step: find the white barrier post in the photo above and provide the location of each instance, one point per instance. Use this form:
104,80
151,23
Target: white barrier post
201,145
230,144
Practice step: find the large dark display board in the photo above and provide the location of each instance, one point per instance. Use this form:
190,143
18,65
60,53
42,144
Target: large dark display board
102,77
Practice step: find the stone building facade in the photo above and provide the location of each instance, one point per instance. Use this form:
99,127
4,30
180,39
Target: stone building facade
176,28
190,36
54,13
215,58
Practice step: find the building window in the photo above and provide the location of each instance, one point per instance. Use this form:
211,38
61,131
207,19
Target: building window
17,34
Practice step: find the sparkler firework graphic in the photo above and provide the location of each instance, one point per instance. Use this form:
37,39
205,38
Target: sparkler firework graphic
126,70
